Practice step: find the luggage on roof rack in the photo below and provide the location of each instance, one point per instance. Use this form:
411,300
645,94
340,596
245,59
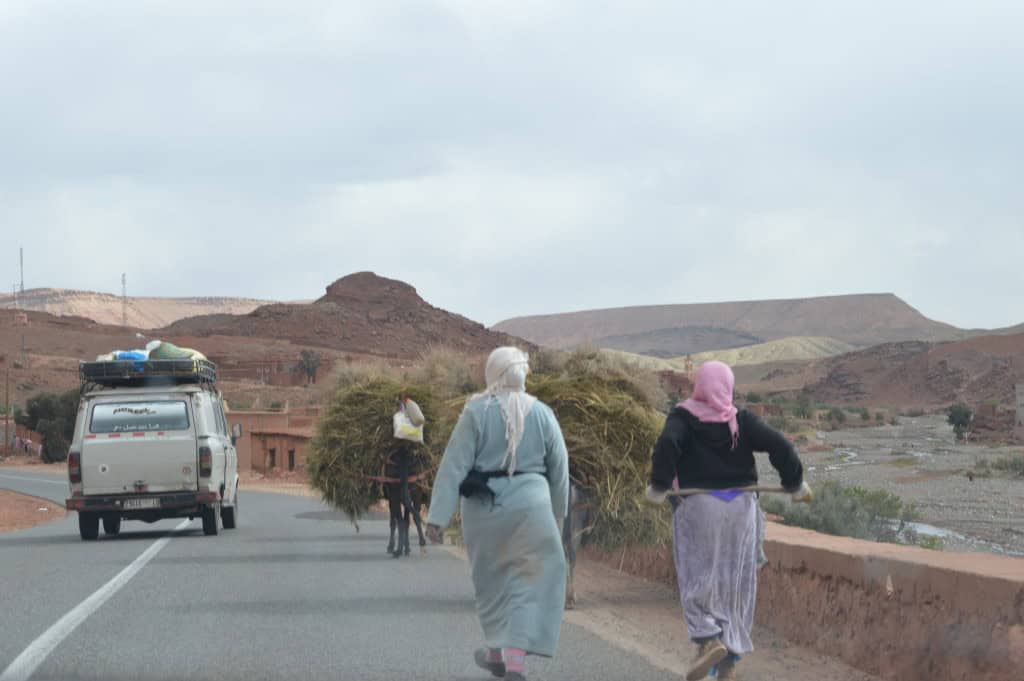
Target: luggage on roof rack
147,372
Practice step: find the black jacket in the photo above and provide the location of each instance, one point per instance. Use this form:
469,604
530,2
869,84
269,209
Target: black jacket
699,453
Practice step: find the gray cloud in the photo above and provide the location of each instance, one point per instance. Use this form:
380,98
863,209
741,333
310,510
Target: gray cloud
519,158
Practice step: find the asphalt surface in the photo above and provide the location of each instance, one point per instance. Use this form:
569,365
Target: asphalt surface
293,593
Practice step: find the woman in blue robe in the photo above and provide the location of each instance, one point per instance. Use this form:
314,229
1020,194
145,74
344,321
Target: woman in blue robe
512,526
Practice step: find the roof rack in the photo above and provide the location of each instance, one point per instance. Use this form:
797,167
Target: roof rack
122,373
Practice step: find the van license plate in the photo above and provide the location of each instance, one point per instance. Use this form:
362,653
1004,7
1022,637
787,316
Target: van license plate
130,504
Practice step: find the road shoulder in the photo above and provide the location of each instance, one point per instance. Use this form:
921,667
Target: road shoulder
21,511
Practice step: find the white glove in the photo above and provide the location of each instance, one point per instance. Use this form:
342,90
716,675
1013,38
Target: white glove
803,494
656,497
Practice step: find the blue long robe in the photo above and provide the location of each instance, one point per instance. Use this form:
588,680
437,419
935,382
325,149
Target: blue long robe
514,547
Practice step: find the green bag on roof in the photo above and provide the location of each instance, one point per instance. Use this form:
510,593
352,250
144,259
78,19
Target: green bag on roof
165,350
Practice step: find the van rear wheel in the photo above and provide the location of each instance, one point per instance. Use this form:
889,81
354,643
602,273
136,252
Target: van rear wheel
112,526
210,520
88,525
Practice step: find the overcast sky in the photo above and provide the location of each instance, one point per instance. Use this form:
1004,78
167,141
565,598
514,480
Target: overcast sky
519,157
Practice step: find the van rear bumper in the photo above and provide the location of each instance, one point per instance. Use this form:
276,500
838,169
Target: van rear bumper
169,501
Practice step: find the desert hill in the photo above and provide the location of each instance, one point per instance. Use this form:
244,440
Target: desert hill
143,313
800,348
675,330
904,374
360,313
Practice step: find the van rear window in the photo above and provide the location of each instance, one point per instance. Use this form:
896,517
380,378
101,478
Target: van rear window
133,417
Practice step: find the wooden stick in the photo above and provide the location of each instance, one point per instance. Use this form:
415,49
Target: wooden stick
690,491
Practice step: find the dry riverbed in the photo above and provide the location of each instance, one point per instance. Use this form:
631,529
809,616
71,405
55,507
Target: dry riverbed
920,461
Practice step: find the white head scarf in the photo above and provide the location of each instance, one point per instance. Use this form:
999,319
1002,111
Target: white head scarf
506,372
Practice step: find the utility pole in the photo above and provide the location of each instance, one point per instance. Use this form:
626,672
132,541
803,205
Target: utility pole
21,258
7,407
124,299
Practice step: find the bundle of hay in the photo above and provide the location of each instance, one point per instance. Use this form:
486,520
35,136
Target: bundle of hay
610,413
354,438
611,420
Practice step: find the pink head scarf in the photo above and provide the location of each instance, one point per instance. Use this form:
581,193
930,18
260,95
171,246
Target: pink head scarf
711,401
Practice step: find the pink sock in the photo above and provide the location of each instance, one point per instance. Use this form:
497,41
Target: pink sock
494,655
515,659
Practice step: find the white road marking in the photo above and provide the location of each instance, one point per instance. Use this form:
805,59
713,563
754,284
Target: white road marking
26,664
23,479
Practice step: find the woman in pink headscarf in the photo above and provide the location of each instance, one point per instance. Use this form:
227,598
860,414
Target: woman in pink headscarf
708,444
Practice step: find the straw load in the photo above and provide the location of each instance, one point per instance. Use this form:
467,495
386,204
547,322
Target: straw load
354,436
610,414
610,418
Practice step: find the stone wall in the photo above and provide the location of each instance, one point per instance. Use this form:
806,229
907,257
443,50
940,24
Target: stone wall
902,613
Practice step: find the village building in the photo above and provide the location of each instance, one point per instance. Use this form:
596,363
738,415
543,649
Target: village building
273,440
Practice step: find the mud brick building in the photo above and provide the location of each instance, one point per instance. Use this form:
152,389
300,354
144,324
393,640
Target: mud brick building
273,440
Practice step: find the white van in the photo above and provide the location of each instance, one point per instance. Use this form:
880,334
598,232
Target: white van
151,442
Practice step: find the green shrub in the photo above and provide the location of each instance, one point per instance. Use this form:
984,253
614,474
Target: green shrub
836,415
879,417
1012,464
52,415
783,424
754,398
865,415
876,515
959,416
804,409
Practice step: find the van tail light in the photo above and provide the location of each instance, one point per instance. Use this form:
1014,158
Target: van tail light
75,467
205,462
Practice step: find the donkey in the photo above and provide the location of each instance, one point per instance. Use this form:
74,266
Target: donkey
404,499
579,521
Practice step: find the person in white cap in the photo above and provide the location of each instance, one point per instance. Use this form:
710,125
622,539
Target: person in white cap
507,459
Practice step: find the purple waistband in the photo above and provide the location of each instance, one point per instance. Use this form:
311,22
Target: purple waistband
726,494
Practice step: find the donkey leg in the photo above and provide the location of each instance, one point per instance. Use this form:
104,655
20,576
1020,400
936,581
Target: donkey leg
394,511
414,506
403,533
570,586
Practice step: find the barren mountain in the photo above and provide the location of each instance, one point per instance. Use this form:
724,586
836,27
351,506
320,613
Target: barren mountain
143,313
674,330
916,373
360,313
782,350
798,349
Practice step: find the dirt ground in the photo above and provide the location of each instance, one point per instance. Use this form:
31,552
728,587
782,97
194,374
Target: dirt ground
294,484
22,461
920,461
20,511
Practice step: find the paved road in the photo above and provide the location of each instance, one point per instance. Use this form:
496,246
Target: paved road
294,593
